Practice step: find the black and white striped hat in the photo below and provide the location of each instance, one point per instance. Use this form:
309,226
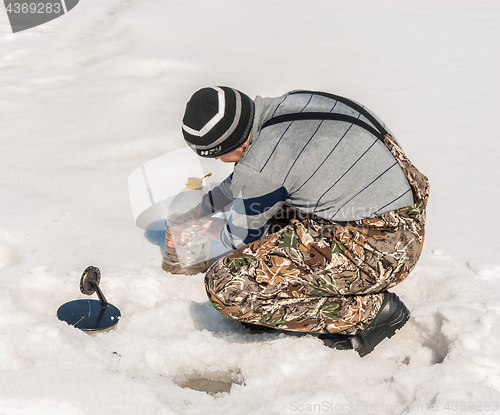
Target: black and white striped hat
217,120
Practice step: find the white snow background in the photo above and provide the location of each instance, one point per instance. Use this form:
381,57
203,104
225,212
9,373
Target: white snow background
91,96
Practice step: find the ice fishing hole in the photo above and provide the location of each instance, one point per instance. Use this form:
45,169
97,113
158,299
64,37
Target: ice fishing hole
212,383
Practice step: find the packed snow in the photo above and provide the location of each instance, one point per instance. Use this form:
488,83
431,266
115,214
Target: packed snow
90,97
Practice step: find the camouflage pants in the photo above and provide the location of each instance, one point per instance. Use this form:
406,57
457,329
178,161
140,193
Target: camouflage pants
316,275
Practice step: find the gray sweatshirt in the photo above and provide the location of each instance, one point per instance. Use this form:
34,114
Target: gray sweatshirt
335,168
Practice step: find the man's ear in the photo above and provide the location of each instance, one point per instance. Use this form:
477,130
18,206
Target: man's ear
247,143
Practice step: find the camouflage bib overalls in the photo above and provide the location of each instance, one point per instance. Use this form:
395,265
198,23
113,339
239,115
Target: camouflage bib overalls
320,276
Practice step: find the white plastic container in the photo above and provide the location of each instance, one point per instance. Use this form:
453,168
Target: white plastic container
192,249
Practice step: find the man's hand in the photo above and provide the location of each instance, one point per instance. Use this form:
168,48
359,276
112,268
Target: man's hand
178,230
212,227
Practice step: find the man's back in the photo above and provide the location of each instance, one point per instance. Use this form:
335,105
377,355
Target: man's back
335,169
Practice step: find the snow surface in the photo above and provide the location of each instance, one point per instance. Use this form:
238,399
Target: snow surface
88,98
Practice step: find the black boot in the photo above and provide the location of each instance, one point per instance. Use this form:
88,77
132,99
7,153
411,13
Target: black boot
257,329
392,316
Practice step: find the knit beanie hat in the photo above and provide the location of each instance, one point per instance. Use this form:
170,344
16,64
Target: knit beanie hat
217,120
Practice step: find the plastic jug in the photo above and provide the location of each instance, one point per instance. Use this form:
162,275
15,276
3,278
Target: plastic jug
192,249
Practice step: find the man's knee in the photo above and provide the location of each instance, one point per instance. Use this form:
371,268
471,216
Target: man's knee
217,280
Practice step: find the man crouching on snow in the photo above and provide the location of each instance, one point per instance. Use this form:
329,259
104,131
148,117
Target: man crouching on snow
327,214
